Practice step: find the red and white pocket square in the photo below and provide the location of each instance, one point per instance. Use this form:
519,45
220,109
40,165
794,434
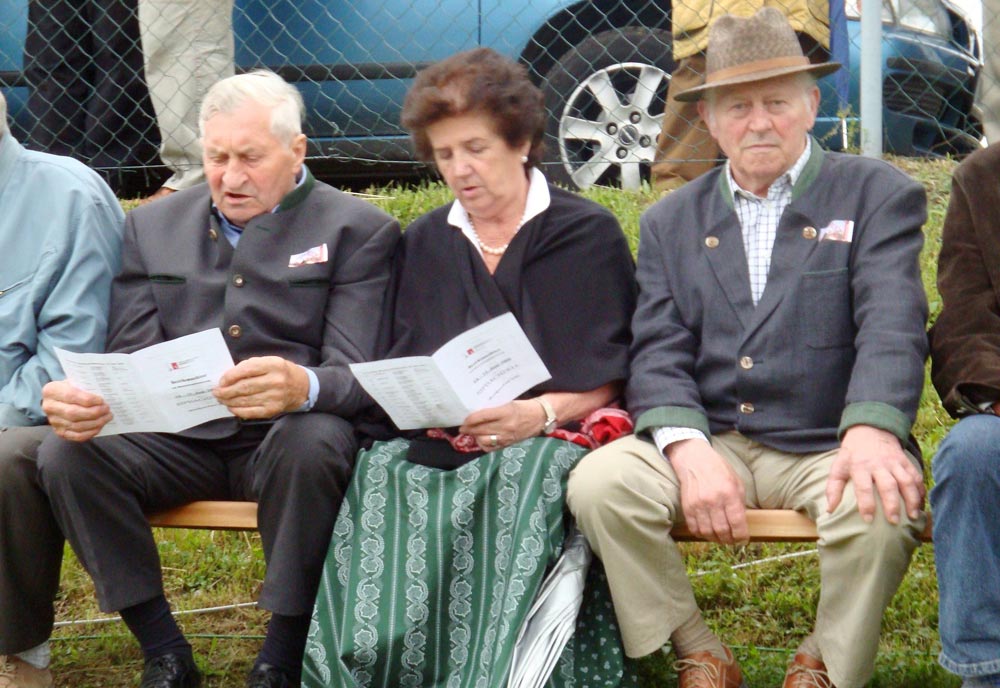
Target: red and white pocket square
317,254
838,230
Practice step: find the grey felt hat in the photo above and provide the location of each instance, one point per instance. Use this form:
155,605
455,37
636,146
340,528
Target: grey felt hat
746,49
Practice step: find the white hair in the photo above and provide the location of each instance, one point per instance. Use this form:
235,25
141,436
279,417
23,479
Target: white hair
259,86
3,114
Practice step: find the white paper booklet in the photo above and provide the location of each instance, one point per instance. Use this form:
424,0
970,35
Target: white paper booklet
166,387
486,366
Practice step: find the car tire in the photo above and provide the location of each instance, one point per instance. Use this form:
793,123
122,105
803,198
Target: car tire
596,134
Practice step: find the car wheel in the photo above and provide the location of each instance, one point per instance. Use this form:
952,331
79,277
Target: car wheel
605,100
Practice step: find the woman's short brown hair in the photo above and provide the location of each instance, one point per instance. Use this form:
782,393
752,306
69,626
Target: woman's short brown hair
478,81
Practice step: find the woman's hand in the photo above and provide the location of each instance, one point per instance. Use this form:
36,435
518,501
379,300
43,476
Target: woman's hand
502,426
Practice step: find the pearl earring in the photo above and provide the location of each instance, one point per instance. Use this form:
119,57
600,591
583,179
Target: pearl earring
524,159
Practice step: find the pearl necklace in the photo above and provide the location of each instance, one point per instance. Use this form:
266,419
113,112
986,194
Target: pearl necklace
493,250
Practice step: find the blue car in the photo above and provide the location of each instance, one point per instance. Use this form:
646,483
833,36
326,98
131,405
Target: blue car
604,67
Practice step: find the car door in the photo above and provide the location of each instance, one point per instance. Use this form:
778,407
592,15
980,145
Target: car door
353,61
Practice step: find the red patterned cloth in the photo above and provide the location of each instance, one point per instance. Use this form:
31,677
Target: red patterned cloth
600,427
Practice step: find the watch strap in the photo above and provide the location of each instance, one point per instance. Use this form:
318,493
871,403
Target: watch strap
550,415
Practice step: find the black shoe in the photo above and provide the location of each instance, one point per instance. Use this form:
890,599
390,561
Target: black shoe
173,670
268,676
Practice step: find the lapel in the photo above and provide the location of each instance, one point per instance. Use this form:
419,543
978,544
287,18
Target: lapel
481,291
794,241
723,245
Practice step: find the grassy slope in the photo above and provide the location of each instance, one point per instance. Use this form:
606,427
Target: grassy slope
762,609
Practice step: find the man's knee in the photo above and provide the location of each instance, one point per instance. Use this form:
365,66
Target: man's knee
18,454
845,527
609,479
589,484
970,454
60,462
306,447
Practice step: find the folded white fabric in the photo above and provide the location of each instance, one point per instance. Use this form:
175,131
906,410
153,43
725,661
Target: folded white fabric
552,618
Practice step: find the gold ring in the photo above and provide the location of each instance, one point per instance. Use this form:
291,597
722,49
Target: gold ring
494,440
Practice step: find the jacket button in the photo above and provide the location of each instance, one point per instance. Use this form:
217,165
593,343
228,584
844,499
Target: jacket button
746,363
238,280
746,407
809,233
711,241
235,331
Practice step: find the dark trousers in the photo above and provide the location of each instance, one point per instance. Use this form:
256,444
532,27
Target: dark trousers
31,545
296,469
87,92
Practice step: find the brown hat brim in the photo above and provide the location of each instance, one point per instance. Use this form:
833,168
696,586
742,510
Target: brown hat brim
762,74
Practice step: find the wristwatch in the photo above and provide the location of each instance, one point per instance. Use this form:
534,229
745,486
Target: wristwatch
550,415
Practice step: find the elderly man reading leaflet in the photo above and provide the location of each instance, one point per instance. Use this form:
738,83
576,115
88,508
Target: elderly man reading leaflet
225,255
777,363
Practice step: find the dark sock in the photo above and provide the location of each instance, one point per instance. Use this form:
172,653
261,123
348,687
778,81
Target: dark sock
155,629
285,643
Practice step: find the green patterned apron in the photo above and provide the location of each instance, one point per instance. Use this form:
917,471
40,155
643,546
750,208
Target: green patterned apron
430,574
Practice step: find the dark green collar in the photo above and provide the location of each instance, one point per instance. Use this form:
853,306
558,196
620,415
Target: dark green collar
299,193
805,180
810,171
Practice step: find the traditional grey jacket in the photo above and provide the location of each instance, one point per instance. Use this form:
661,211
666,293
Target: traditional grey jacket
837,338
180,275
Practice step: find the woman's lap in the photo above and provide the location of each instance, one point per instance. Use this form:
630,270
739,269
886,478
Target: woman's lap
430,573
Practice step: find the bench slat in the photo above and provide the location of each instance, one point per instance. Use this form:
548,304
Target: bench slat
778,525
209,516
766,525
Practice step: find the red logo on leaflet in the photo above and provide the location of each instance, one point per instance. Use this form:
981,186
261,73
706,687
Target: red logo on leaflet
469,352
174,365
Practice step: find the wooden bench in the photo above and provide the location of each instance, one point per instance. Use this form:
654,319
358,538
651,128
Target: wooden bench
765,525
209,516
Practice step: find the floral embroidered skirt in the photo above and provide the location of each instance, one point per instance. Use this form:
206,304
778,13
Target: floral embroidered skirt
430,574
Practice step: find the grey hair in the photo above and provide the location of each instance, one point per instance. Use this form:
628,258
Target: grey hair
3,114
259,86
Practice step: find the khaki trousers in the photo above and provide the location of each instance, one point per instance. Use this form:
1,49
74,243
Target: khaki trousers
626,497
188,46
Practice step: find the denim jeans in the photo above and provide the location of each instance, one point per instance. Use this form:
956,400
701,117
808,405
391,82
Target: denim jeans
965,504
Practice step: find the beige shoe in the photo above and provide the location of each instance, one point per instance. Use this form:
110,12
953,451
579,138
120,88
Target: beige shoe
162,192
705,670
807,672
16,673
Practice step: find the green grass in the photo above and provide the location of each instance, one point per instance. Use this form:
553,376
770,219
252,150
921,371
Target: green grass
762,610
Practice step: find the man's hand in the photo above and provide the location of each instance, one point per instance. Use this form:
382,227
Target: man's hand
869,456
712,495
74,414
263,387
509,423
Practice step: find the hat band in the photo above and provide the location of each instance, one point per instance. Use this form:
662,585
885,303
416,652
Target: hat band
756,67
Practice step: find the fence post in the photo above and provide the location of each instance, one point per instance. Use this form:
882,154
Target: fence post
871,78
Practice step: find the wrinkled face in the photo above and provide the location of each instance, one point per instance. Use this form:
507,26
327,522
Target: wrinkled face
249,170
481,169
761,127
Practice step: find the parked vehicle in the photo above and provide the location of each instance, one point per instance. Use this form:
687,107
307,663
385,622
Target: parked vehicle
603,65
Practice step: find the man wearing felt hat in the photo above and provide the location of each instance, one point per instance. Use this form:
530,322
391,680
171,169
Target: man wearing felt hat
777,363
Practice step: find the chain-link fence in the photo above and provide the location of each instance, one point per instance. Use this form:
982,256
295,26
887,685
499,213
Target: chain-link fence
116,82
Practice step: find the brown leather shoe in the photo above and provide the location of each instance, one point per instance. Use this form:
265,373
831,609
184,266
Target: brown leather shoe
705,670
807,672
